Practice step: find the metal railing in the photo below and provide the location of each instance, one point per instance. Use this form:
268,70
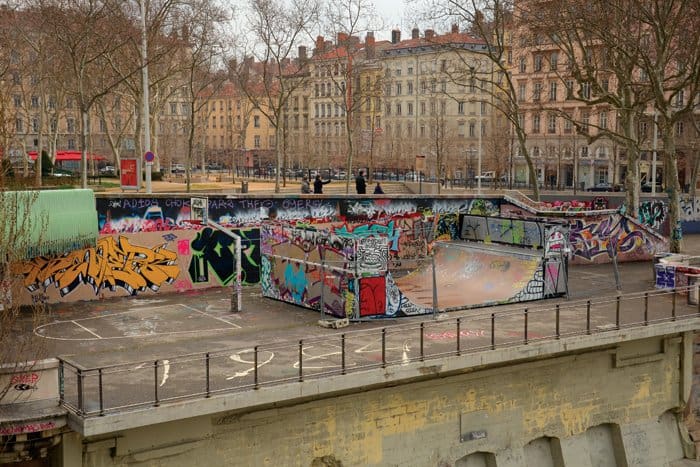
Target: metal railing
97,391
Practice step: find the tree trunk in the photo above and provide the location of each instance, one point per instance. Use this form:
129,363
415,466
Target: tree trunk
83,148
672,188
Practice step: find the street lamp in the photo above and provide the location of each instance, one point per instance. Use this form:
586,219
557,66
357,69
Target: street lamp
478,168
144,86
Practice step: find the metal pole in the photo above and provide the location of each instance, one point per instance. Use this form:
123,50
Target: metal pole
558,318
383,347
144,86
653,158
255,369
207,368
323,281
646,308
155,382
239,278
80,392
525,334
478,179
301,368
99,384
342,354
421,342
493,330
435,298
458,336
588,317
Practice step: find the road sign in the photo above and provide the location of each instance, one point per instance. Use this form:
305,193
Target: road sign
149,157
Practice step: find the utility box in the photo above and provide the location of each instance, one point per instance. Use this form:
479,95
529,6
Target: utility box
244,186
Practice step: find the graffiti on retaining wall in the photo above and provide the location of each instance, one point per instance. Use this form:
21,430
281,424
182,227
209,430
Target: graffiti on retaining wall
213,250
112,264
597,239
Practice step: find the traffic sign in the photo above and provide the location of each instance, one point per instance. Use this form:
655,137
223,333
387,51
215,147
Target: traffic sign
149,157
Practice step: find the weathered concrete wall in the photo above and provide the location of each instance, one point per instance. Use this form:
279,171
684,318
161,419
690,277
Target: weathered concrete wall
608,406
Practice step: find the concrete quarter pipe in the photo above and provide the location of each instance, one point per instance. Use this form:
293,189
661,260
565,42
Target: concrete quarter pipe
470,274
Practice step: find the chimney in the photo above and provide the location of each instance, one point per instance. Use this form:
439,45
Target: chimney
302,53
327,46
395,36
319,45
342,39
369,44
415,33
429,34
455,28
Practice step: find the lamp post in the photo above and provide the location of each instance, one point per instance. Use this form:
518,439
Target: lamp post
478,168
144,86
653,157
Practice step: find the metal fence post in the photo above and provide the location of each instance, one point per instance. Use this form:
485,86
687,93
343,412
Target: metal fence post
525,333
588,316
301,367
342,354
673,307
646,308
99,385
207,368
61,382
155,383
383,347
422,355
80,392
617,312
459,335
558,324
255,370
493,331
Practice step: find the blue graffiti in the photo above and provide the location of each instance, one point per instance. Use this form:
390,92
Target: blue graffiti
295,282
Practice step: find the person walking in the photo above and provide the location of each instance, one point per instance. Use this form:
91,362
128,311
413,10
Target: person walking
360,184
318,185
305,187
378,189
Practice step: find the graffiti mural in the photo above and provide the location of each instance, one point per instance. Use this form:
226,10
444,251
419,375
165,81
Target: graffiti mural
114,263
598,239
653,214
214,250
372,296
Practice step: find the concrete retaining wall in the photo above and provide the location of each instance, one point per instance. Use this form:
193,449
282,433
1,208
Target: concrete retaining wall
607,406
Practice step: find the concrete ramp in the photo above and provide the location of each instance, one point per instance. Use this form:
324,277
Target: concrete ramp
471,274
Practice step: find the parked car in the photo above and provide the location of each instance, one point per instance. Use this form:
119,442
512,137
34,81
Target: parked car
177,169
108,170
61,173
486,176
603,186
215,166
646,188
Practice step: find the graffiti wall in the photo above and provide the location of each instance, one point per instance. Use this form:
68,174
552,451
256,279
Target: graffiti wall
150,262
597,239
342,275
149,245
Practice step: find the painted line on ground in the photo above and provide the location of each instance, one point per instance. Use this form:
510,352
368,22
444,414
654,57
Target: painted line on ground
210,316
83,327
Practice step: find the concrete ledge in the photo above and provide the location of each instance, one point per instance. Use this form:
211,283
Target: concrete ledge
314,389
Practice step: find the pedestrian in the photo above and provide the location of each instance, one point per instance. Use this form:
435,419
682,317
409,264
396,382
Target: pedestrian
305,187
318,185
360,185
378,189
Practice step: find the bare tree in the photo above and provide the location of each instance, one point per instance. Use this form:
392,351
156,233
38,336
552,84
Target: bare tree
494,23
276,28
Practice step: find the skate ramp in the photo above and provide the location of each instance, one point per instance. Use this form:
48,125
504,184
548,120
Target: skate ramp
470,275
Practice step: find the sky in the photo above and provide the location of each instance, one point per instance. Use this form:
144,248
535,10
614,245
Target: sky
392,11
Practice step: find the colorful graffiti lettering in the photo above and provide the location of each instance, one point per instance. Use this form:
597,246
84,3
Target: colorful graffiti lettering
602,237
112,264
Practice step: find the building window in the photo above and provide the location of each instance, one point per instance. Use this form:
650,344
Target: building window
398,89
584,151
569,88
538,62
103,126
472,129
680,98
679,128
523,65
70,125
256,121
409,88
213,121
536,123
605,84
256,141
388,109
585,121
552,124
398,108
35,102
603,120
443,86
71,143
410,70
586,90
19,125
460,107
553,91
410,108
18,100
553,61
522,92
422,108
173,108
537,92
567,125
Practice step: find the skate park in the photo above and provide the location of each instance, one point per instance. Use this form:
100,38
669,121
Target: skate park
191,364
